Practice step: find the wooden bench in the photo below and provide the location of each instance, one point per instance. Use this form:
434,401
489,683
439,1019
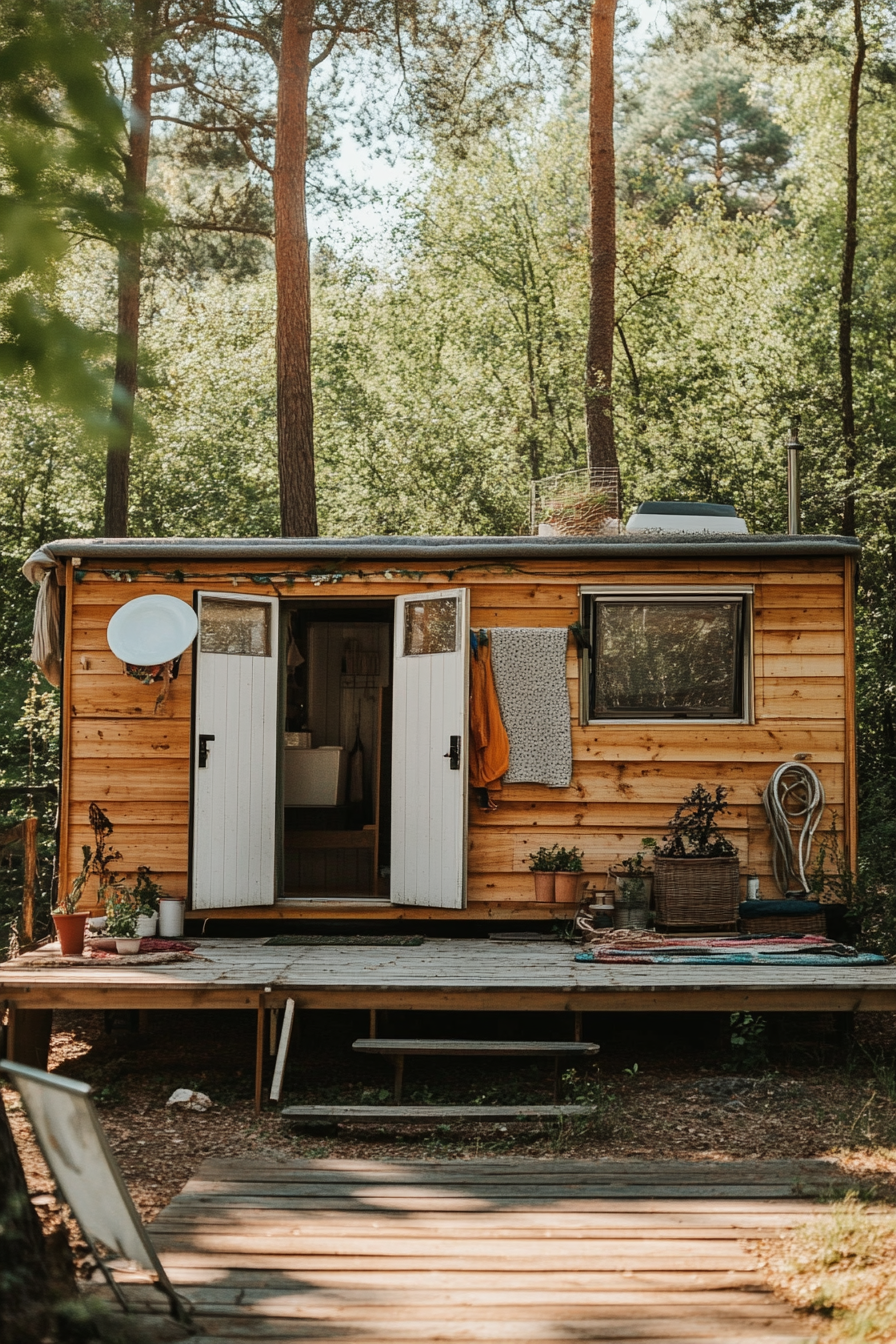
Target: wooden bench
333,1114
528,1049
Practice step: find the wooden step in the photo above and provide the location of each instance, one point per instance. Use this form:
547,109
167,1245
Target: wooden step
487,1114
384,1046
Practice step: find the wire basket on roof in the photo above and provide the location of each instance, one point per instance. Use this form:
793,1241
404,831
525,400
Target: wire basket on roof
582,503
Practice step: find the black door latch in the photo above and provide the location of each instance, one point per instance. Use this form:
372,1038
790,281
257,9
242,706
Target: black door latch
204,739
453,754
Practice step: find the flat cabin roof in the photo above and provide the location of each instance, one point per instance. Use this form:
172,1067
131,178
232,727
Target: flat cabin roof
703,545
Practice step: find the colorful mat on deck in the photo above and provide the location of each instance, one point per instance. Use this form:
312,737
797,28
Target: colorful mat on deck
657,950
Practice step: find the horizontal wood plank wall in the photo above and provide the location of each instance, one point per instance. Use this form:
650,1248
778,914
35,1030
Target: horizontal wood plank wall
627,779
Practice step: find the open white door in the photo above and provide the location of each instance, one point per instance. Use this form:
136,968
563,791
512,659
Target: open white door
235,751
429,749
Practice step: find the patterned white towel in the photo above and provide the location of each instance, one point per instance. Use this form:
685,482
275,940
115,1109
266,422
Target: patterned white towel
530,678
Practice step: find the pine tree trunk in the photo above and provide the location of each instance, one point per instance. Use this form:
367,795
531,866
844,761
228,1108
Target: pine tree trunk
599,360
847,272
124,392
295,407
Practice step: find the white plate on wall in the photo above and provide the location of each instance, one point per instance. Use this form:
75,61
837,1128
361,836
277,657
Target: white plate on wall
151,630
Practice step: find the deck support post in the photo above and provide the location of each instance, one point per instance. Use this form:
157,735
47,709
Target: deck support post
577,1035
399,1078
259,1052
372,1032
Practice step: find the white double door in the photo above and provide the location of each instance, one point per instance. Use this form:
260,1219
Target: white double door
238,734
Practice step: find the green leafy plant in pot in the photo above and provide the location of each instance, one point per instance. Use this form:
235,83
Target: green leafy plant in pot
696,869
70,923
543,867
567,875
633,882
121,919
147,895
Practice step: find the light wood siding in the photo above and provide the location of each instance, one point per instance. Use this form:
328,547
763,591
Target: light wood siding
627,779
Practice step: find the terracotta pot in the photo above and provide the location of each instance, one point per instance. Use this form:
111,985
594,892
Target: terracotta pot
544,886
566,887
70,929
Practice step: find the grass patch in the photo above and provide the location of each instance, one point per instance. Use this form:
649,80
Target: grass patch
842,1267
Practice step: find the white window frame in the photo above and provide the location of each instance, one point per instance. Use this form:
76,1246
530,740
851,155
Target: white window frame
671,593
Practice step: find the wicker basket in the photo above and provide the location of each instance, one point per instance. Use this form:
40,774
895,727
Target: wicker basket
696,893
785,924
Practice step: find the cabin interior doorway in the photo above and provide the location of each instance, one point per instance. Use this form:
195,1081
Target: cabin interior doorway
336,674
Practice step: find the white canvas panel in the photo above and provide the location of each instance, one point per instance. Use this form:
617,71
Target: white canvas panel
83,1166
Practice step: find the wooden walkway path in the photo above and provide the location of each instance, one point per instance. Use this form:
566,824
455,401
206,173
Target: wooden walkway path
540,1252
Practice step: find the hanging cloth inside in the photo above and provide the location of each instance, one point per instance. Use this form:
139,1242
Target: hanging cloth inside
489,745
356,767
530,678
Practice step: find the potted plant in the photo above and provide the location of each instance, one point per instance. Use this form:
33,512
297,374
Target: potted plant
566,875
70,925
633,888
543,867
121,920
696,870
146,898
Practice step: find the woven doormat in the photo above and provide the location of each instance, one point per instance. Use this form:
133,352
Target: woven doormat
345,940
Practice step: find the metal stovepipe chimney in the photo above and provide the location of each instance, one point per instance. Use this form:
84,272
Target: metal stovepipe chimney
794,448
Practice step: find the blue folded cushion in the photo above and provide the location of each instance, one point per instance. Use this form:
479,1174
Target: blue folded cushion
754,909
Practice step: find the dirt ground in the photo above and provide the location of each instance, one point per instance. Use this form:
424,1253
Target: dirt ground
665,1086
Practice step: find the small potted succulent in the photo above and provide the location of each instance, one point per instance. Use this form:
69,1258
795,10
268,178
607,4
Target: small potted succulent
70,924
633,887
121,920
146,898
567,875
543,868
696,870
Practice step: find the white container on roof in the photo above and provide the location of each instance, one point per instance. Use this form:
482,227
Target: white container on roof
684,516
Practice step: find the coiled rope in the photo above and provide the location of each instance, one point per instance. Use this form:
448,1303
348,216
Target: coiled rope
794,796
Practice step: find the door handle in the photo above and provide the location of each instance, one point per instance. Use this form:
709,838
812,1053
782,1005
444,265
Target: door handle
452,755
204,739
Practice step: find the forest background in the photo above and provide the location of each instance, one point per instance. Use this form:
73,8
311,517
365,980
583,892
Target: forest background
450,318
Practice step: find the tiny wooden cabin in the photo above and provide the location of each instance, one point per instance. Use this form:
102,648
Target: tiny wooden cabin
363,645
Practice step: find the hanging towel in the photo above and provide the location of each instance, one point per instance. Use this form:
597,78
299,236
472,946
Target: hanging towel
530,678
46,645
489,746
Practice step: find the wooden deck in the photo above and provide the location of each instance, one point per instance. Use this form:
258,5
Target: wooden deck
503,1250
441,973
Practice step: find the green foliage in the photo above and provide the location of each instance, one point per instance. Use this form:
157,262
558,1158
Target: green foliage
60,137
748,1043
544,860
146,893
121,913
556,860
696,119
693,830
68,904
634,864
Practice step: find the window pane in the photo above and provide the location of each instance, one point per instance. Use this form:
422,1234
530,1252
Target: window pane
430,626
668,658
236,627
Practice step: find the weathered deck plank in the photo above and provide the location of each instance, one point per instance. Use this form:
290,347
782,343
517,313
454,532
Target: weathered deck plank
655,1267
441,973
